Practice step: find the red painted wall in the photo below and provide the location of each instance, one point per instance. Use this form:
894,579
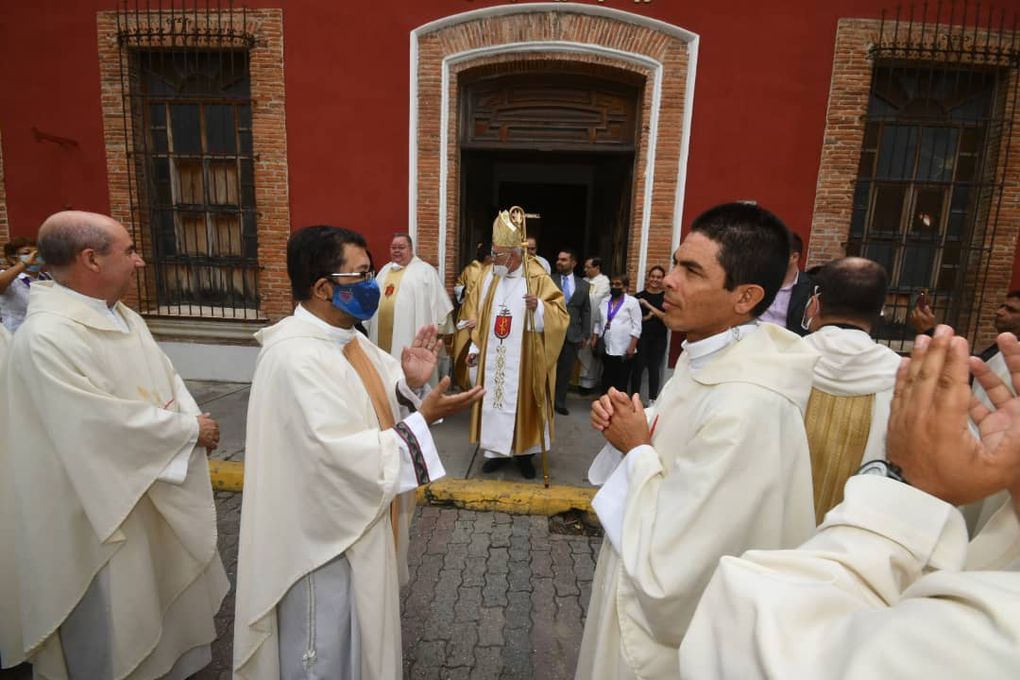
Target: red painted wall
760,99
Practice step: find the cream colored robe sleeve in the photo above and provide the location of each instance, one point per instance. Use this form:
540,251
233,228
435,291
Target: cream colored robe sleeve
881,591
5,341
131,441
724,492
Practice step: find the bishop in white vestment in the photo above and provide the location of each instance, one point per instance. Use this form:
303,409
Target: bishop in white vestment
110,568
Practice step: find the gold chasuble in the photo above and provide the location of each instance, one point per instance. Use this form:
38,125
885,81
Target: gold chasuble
837,430
387,301
539,351
468,278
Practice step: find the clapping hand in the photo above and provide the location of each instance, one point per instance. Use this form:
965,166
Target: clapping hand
929,437
437,404
419,360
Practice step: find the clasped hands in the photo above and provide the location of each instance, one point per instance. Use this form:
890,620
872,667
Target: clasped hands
621,420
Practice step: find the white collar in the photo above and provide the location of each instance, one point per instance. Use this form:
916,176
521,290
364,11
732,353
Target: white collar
99,305
341,335
397,267
515,273
699,352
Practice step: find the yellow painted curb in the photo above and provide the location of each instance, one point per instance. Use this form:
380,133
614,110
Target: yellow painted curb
226,475
516,498
471,494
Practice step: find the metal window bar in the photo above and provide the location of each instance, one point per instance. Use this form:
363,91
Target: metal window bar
933,160
188,122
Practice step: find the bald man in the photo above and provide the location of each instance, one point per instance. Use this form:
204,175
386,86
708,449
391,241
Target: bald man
110,567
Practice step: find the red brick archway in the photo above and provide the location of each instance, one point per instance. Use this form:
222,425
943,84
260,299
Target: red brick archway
561,37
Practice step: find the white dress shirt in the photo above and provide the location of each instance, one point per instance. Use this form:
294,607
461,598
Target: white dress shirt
626,324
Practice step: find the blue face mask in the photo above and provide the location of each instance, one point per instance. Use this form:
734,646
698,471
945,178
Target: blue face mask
34,268
360,300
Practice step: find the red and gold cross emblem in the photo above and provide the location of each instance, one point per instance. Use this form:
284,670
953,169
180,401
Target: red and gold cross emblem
503,322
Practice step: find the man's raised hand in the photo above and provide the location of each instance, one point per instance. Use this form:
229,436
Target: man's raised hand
438,404
929,437
419,359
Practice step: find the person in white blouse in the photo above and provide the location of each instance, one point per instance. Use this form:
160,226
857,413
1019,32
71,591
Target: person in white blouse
618,324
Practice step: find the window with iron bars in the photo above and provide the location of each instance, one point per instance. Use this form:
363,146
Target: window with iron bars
925,188
195,178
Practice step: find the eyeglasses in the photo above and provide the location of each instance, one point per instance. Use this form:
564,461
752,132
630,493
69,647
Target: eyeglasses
496,256
353,277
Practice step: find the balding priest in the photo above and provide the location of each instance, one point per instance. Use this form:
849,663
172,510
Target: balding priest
109,568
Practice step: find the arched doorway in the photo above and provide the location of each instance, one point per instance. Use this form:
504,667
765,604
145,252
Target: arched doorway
558,140
558,48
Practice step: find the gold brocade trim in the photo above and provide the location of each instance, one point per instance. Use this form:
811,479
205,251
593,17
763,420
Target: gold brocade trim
386,306
837,432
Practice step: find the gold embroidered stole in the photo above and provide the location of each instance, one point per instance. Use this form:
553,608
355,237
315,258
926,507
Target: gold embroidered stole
363,366
387,302
837,432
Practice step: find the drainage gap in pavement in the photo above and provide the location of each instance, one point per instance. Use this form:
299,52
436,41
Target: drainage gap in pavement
574,523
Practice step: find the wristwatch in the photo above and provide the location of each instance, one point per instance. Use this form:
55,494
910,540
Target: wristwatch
883,468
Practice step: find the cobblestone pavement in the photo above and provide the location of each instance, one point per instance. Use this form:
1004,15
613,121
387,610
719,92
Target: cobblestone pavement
491,595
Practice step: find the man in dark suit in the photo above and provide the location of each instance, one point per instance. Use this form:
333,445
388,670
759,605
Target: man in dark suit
575,292
787,309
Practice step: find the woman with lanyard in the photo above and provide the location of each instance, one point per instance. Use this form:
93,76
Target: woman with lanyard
619,327
654,337
24,267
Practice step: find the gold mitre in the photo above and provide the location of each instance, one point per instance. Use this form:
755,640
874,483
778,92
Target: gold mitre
508,228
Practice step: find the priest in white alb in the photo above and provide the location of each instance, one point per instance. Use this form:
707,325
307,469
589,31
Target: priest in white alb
513,359
720,464
848,410
412,296
110,568
890,587
335,434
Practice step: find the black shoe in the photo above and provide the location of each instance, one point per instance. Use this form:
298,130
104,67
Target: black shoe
493,464
526,466
562,410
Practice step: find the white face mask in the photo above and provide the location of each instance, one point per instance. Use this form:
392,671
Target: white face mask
805,320
500,270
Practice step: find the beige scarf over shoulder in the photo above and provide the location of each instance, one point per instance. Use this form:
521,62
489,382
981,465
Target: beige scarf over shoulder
373,385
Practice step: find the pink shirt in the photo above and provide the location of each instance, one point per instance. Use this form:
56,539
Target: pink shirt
776,313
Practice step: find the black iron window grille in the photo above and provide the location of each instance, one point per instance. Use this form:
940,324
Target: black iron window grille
185,75
930,180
